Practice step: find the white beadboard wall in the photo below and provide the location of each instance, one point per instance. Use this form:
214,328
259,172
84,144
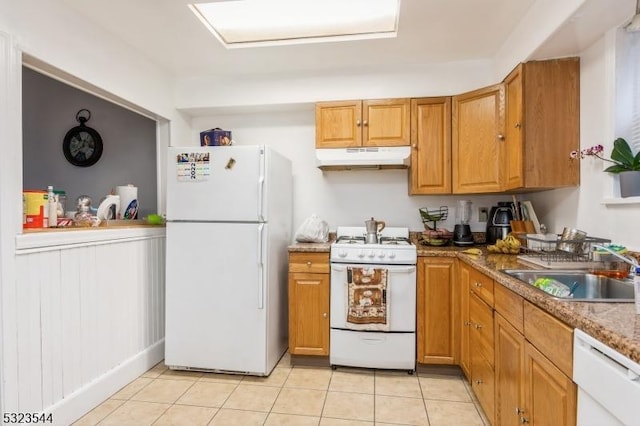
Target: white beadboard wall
89,318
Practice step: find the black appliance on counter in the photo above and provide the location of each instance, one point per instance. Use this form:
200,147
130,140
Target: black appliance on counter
498,225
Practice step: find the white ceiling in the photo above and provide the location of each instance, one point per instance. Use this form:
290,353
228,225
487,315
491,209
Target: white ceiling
430,31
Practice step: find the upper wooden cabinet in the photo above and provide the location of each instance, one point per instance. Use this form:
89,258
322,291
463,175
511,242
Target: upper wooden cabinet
543,124
477,140
379,122
431,146
517,135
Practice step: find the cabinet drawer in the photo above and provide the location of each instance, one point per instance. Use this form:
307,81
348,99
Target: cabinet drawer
483,384
309,262
481,328
482,285
510,306
550,336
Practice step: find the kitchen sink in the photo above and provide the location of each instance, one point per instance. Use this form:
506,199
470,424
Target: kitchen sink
588,287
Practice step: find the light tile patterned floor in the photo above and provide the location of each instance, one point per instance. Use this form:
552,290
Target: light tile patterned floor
295,396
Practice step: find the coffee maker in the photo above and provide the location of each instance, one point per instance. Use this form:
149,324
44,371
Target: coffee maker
373,227
462,235
499,223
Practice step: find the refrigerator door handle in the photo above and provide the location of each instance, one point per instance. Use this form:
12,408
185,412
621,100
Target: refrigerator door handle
261,179
260,268
260,198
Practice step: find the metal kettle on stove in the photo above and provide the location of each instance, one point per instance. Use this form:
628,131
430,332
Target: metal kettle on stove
373,227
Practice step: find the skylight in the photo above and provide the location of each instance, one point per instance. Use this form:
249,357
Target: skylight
249,23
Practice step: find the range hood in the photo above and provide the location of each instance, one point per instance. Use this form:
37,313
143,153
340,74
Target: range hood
396,157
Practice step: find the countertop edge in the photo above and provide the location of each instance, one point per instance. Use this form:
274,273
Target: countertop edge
44,240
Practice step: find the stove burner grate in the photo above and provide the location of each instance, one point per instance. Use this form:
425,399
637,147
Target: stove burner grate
394,241
350,240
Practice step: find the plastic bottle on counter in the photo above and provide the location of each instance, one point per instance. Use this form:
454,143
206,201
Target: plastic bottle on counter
553,287
52,208
636,288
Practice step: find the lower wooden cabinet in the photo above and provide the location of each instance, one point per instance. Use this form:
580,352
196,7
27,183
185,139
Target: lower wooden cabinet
550,396
309,304
482,353
509,371
438,311
530,389
517,357
465,353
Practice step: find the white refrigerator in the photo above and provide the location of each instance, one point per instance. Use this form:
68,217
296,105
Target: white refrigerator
228,227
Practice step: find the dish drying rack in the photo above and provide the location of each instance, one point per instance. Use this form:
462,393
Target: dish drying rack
545,252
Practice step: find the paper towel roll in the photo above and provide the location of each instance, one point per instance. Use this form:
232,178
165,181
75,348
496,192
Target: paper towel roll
128,201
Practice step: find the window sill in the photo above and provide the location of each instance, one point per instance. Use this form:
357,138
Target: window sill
620,201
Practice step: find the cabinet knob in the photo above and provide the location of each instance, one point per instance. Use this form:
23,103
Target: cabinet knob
477,326
309,264
477,284
500,136
358,123
524,420
518,125
467,323
324,315
365,123
479,382
414,146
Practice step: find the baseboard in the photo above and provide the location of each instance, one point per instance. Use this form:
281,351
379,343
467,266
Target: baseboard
438,369
83,400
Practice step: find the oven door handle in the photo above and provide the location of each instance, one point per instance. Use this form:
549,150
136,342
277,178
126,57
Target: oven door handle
406,269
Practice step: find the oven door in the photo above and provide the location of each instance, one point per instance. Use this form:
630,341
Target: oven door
401,295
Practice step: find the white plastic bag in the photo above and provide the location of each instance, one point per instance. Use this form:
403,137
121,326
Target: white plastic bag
313,230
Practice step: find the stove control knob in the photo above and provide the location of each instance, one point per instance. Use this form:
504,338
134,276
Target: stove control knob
392,255
342,253
381,255
372,255
361,254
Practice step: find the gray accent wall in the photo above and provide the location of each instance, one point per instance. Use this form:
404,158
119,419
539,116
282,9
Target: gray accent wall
49,109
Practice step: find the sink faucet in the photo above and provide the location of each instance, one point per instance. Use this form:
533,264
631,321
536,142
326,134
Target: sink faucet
630,260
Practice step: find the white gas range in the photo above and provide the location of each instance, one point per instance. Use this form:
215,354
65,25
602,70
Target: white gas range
393,248
373,300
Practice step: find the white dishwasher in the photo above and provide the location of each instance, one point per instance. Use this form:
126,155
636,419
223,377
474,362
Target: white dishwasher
608,384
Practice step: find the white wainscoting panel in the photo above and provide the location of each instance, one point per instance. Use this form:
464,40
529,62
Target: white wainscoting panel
81,313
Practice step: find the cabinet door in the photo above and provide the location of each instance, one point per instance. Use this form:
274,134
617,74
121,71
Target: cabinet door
431,146
386,122
338,124
465,354
438,311
549,395
478,140
552,122
514,130
509,373
308,314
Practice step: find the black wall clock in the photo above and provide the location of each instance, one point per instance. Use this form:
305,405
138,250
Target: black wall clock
82,145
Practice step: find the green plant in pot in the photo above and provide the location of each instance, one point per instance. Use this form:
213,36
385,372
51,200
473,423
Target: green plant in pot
625,163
